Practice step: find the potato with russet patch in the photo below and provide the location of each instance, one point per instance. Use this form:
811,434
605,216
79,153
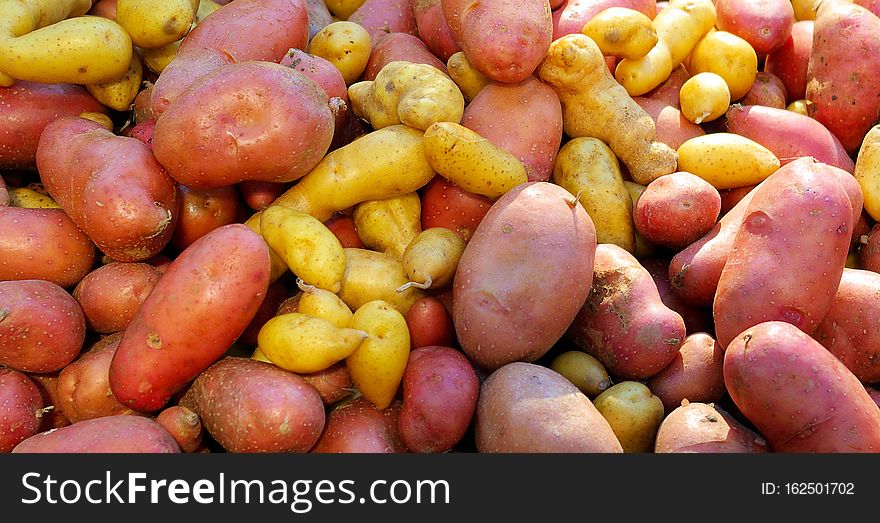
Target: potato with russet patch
705,429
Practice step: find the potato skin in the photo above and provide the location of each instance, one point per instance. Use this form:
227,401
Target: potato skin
20,408
333,383
359,427
83,385
798,395
764,24
111,294
184,425
429,323
524,407
433,29
445,204
385,17
694,374
696,319
397,47
705,429
575,13
790,61
177,332
531,238
768,91
677,209
202,211
673,128
110,434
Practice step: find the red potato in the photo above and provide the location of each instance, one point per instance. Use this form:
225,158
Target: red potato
841,76
705,429
799,221
575,13
333,383
669,90
790,61
342,226
673,128
143,106
677,209
276,293
440,391
83,166
357,427
260,195
383,17
42,327
433,29
797,394
43,244
764,24
731,197
623,322
536,236
111,434
871,5
869,251
400,46
203,302
445,204
104,8
875,395
184,426
83,386
503,40
319,16
245,121
143,132
21,406
694,375
52,416
202,211
111,295
27,108
328,78
429,323
767,90
696,319
532,132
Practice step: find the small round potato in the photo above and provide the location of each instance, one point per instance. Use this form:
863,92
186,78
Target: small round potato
634,414
730,57
584,371
704,97
346,45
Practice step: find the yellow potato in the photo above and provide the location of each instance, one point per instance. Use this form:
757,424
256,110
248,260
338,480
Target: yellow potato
322,304
156,23
278,267
804,107
343,8
99,118
728,56
727,160
704,97
468,79
259,356
300,343
28,198
206,7
119,94
372,275
644,248
309,248
588,169
584,371
388,225
346,45
634,414
431,259
158,59
471,161
805,9
377,366
623,32
867,171
416,95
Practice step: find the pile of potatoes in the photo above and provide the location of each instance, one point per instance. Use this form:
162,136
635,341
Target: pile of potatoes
439,225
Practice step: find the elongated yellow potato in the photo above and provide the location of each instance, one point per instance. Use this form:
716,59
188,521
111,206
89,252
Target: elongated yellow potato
867,171
119,94
430,260
156,23
300,343
28,198
371,275
727,160
623,32
388,225
323,304
468,79
377,366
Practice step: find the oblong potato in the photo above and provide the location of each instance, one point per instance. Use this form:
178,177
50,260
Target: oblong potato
110,434
111,294
727,160
705,429
371,275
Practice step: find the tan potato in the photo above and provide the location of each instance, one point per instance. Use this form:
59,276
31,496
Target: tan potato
634,414
346,45
584,371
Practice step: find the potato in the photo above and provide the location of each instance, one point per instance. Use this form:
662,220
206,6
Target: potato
303,344
727,160
696,319
798,395
705,429
677,209
535,235
390,224
119,94
867,171
202,211
447,205
768,91
184,426
346,45
43,244
110,434
176,335
572,16
466,76
42,328
634,414
333,383
669,91
371,275
83,385
51,417
343,227
704,97
429,323
276,294
524,407
694,374
155,24
433,29
111,295
342,9
400,47
384,17
21,406
728,56
790,61
765,25
673,128
358,427
584,372
800,219
323,304
431,258
623,32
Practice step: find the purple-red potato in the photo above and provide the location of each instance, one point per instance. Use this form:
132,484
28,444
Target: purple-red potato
790,61
110,186
245,121
43,244
84,388
400,46
260,195
276,293
319,16
143,132
673,128
731,197
841,76
445,204
203,302
571,17
21,406
440,391
848,329
429,323
246,30
328,78
202,211
799,221
869,252
25,110
705,429
764,24
110,434
383,17
696,319
342,226
104,8
357,427
184,426
42,327
694,375
871,5
536,236
797,394
669,90
433,29
788,135
111,295
524,407
251,406
333,383
767,90
52,417
623,322
503,40
532,132
677,209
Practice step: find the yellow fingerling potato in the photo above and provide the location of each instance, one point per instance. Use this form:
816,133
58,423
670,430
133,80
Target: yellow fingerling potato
119,94
30,199
431,259
322,304
377,366
704,97
472,162
867,171
468,79
343,8
390,224
158,59
416,95
804,107
727,160
728,56
634,414
623,32
99,118
644,248
309,248
300,343
259,356
156,23
278,267
346,45
588,169
584,372
372,275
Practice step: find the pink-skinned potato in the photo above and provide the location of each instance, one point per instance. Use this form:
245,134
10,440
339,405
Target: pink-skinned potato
571,17
110,434
673,128
21,407
433,29
705,429
384,17
790,62
84,388
203,302
111,295
328,78
319,16
184,425
696,319
767,90
535,237
764,24
669,90
797,394
694,375
676,210
333,383
400,46
358,427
